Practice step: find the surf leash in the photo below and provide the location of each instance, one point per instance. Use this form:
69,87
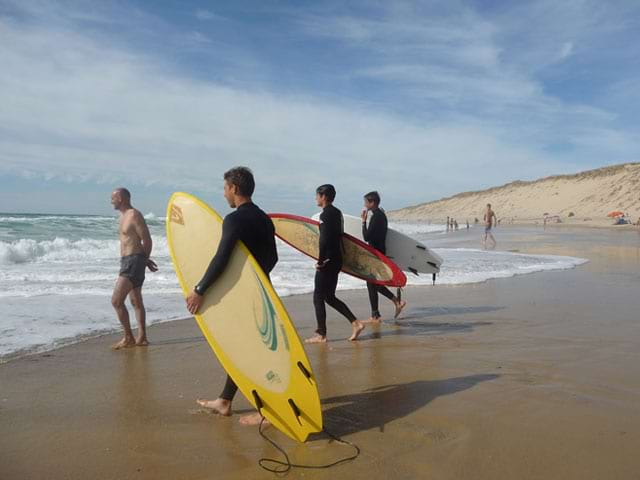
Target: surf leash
284,467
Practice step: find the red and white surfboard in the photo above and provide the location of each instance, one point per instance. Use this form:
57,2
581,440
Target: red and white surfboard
359,259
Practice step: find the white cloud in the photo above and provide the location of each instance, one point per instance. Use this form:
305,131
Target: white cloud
80,107
203,14
196,39
566,50
73,109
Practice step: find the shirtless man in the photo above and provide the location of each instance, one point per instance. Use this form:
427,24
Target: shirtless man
135,249
489,221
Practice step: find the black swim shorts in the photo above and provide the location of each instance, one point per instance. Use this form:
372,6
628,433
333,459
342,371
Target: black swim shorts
133,267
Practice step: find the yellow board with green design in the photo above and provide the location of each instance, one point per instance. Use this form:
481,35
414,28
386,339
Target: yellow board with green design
244,321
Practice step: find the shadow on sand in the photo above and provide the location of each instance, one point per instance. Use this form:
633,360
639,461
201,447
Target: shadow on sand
414,329
407,324
424,312
378,406
176,341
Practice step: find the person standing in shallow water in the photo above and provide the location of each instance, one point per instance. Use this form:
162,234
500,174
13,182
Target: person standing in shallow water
329,266
490,221
375,234
135,250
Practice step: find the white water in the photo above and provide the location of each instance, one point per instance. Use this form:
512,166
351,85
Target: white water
57,274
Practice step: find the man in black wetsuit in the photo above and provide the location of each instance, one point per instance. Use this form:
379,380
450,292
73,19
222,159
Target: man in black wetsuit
254,227
376,235
328,266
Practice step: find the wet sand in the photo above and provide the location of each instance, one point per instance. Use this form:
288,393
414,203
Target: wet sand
536,376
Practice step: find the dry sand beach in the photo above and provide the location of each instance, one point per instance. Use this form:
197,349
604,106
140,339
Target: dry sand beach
532,377
589,196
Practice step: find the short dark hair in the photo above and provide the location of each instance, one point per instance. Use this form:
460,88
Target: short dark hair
327,190
124,193
373,197
242,178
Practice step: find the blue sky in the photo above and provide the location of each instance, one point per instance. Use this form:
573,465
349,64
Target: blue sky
418,100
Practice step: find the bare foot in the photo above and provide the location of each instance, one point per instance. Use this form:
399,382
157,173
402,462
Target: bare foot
142,342
252,419
374,320
357,328
124,343
399,306
317,338
218,406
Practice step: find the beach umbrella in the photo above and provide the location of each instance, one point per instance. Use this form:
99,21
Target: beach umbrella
615,213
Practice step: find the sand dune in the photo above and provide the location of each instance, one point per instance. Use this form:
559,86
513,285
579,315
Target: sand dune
582,198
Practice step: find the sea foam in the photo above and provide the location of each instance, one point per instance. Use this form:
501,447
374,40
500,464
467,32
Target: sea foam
57,274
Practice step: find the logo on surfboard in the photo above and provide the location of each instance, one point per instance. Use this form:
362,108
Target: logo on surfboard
273,377
176,215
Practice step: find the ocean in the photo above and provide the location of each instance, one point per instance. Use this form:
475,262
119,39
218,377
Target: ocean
57,273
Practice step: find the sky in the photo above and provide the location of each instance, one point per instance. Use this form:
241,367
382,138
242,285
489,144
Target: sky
416,99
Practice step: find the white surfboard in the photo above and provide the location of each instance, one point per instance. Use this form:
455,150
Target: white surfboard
409,254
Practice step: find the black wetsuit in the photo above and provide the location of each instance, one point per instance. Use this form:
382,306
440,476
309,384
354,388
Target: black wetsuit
376,235
326,279
254,227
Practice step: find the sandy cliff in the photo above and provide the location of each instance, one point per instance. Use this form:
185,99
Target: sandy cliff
589,195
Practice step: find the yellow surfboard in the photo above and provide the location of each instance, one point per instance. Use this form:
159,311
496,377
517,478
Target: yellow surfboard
244,321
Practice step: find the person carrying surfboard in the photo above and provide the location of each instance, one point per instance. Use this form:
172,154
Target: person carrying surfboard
375,234
328,267
249,224
135,249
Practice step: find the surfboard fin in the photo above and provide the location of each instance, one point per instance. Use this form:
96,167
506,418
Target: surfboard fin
434,278
258,401
414,271
304,370
296,410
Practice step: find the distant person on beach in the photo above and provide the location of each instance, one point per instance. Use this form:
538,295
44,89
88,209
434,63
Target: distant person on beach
135,250
249,224
489,222
375,234
447,224
329,266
